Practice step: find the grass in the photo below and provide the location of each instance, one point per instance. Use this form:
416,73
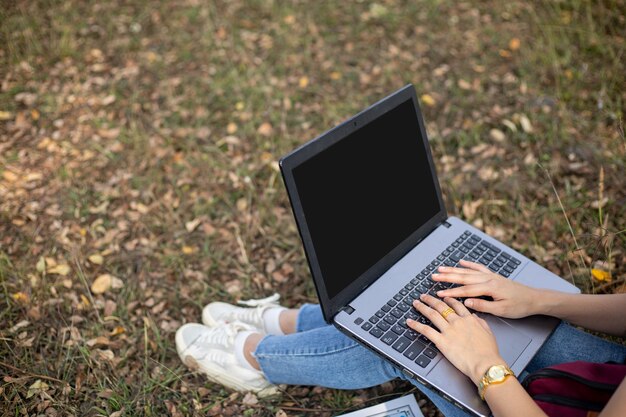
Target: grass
146,117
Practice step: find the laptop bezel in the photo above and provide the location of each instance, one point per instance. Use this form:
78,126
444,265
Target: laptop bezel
331,306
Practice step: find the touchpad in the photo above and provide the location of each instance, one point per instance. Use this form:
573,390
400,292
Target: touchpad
511,342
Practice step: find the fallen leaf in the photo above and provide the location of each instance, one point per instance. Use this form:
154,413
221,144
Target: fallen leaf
192,225
5,115
303,82
514,44
99,341
188,250
265,129
105,282
428,100
108,100
37,387
470,208
497,135
21,298
33,176
9,176
596,204
525,123
96,259
62,269
117,330
231,128
242,204
510,125
250,399
464,85
601,275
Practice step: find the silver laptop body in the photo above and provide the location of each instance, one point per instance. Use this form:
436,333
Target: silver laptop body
370,213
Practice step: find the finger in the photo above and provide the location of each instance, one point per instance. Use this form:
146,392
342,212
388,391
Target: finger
474,290
458,306
455,270
439,306
431,314
462,279
481,305
427,331
474,266
483,323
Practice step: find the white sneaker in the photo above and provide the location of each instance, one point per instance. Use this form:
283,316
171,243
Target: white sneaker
218,312
210,350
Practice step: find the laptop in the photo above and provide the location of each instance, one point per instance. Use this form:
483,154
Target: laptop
369,209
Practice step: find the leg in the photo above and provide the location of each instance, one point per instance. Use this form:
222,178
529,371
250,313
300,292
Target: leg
568,344
324,356
309,317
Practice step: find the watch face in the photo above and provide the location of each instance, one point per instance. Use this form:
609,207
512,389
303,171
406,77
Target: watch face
496,373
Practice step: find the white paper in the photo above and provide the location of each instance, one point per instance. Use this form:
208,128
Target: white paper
400,407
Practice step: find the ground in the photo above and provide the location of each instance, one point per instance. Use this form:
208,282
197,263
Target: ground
138,174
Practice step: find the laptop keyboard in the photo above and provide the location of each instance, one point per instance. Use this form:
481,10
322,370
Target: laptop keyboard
389,322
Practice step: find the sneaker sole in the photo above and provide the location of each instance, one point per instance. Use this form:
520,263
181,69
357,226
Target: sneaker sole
225,380
217,375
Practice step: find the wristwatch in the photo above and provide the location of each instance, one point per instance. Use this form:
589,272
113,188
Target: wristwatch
497,374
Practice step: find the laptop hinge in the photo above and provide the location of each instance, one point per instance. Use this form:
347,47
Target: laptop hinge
446,224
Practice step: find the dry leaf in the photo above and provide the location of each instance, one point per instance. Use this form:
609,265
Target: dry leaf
62,269
21,298
5,115
117,330
335,75
265,129
601,275
9,176
242,204
105,282
231,128
37,387
464,85
514,44
188,250
99,341
428,100
303,82
525,123
249,399
192,225
470,208
96,259
497,135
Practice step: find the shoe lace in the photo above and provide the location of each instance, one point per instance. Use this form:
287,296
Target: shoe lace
223,336
253,315
272,299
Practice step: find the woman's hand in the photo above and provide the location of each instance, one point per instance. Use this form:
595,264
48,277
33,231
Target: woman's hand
510,299
464,338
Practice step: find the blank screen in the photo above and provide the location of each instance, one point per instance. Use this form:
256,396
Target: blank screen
366,194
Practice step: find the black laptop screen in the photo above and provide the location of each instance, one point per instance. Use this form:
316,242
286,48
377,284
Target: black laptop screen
366,194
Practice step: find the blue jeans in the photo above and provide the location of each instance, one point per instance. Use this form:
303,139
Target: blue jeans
319,354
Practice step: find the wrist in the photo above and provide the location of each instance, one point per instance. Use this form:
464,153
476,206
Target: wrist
482,366
546,302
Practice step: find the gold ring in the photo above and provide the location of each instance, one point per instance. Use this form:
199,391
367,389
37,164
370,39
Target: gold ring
445,313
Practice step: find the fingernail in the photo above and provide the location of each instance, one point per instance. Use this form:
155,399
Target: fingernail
422,295
442,268
435,274
469,303
441,293
410,321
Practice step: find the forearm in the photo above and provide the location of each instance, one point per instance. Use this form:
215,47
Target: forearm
510,399
604,313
